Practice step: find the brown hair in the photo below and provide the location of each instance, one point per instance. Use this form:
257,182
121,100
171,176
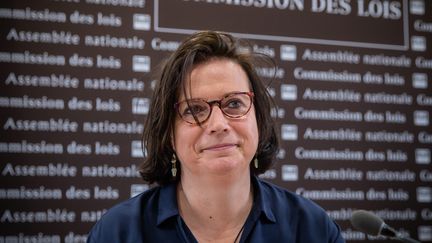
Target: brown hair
158,128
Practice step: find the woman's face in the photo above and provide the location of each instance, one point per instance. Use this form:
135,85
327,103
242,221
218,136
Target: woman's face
221,145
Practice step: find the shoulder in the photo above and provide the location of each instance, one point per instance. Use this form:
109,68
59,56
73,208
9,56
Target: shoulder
124,219
299,214
131,208
285,198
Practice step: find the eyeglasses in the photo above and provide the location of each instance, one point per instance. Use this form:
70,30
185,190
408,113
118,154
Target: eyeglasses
233,105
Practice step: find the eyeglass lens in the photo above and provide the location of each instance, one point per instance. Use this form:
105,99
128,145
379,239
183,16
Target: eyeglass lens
233,105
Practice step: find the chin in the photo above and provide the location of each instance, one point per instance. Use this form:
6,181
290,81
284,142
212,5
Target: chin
226,165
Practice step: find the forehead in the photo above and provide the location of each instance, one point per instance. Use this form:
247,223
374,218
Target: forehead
215,78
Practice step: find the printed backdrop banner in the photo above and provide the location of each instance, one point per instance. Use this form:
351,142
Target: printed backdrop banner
352,85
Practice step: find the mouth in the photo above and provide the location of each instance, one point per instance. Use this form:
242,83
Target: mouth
219,147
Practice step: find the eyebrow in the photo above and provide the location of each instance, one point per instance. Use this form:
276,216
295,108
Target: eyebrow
208,100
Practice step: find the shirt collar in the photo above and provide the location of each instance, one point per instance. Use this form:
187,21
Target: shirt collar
168,201
262,199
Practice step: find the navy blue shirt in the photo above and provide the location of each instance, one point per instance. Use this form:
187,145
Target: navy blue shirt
277,215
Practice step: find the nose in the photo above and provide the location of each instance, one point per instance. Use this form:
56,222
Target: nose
217,122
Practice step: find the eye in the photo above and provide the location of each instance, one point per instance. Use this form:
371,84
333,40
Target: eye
194,108
234,103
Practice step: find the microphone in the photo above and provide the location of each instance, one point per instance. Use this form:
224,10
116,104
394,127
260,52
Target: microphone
371,224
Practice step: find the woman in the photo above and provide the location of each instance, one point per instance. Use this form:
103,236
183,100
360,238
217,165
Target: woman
208,134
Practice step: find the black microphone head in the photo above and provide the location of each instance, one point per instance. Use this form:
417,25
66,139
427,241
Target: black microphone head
366,222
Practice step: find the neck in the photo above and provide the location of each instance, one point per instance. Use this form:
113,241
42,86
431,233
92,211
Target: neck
214,206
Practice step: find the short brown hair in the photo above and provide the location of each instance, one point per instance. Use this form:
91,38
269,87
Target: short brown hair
158,128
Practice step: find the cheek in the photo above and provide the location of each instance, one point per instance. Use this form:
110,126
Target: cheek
185,139
255,135
254,125
250,132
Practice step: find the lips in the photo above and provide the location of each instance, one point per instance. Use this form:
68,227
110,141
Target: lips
218,147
